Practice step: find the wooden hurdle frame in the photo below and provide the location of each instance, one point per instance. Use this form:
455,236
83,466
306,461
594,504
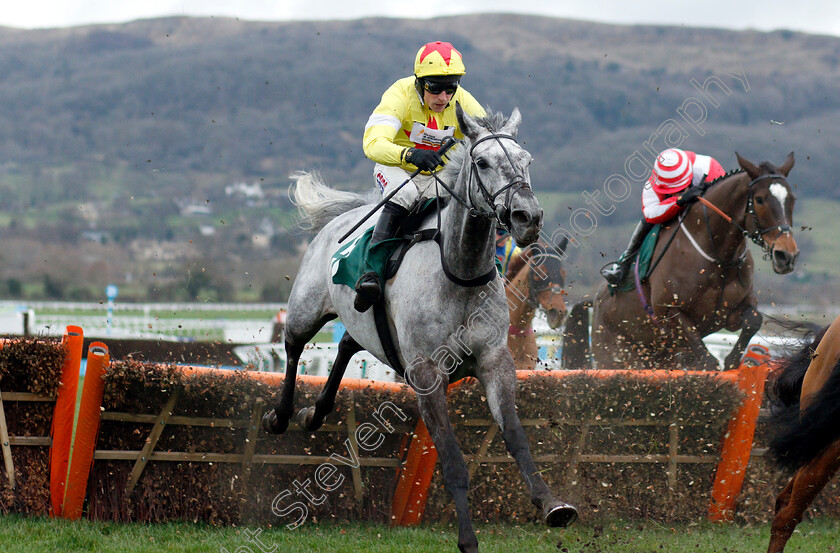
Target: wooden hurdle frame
61,429
416,471
736,449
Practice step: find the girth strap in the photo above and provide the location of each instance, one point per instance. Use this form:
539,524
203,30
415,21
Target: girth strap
380,318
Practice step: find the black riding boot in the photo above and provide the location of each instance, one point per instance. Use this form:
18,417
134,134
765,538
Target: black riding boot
616,271
368,287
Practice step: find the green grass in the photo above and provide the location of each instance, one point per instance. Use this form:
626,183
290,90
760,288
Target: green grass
41,535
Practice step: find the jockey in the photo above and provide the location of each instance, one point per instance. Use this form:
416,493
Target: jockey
674,183
404,133
505,248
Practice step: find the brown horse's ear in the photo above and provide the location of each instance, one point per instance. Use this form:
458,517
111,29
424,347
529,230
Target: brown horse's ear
561,247
752,170
785,167
515,265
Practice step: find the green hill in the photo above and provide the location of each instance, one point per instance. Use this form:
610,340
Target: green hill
115,133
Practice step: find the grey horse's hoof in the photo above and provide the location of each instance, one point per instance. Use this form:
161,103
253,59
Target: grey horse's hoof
305,417
272,424
559,515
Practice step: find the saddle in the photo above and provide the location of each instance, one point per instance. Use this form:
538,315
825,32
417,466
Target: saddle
348,264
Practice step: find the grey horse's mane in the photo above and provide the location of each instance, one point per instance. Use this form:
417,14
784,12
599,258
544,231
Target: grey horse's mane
493,121
318,204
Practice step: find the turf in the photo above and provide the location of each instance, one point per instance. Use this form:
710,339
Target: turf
41,535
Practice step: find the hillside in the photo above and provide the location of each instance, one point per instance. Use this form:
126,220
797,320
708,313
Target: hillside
121,139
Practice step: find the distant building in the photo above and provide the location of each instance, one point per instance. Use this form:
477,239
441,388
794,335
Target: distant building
154,250
245,190
196,209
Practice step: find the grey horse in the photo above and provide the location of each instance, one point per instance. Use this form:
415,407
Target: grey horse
434,308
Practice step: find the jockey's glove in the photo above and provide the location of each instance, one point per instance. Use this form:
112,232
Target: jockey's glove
689,196
425,160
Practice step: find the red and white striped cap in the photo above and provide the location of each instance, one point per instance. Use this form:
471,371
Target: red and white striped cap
672,171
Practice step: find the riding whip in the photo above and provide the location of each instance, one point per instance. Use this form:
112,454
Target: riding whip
447,143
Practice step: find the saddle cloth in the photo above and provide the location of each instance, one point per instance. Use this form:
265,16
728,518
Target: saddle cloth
644,257
348,263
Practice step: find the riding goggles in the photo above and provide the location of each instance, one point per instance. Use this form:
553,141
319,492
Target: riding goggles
433,87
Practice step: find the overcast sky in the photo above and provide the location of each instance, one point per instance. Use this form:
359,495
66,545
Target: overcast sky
813,16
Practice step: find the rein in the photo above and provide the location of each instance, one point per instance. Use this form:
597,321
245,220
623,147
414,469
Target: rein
757,236
501,215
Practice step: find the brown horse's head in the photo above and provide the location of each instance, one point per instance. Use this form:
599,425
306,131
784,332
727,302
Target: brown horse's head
547,279
770,211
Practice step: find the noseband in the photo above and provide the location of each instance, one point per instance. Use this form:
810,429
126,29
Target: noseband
517,184
757,236
501,213
537,287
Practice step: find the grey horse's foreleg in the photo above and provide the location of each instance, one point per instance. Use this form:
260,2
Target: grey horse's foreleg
297,334
500,385
276,421
751,321
311,418
435,415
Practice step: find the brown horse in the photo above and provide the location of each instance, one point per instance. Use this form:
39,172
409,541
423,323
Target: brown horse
700,282
805,406
535,280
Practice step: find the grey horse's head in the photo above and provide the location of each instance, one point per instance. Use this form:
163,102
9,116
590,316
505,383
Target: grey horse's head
500,166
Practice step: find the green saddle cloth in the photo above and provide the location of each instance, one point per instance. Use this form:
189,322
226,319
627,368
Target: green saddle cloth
348,263
644,256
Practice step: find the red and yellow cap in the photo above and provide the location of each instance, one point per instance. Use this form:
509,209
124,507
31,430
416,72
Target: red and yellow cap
438,59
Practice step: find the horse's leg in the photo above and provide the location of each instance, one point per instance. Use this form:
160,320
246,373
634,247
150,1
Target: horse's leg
499,380
705,360
311,418
750,324
435,415
575,353
801,491
783,498
297,334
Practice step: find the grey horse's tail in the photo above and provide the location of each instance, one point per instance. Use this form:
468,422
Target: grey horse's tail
318,204
576,354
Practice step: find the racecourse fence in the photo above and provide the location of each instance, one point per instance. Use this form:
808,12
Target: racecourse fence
140,454
171,321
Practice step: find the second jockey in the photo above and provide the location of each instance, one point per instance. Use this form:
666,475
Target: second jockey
674,183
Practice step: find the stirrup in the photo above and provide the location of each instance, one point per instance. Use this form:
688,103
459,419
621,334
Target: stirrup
613,273
368,292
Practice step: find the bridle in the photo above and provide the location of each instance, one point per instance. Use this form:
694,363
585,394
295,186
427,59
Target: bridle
757,235
536,287
501,214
